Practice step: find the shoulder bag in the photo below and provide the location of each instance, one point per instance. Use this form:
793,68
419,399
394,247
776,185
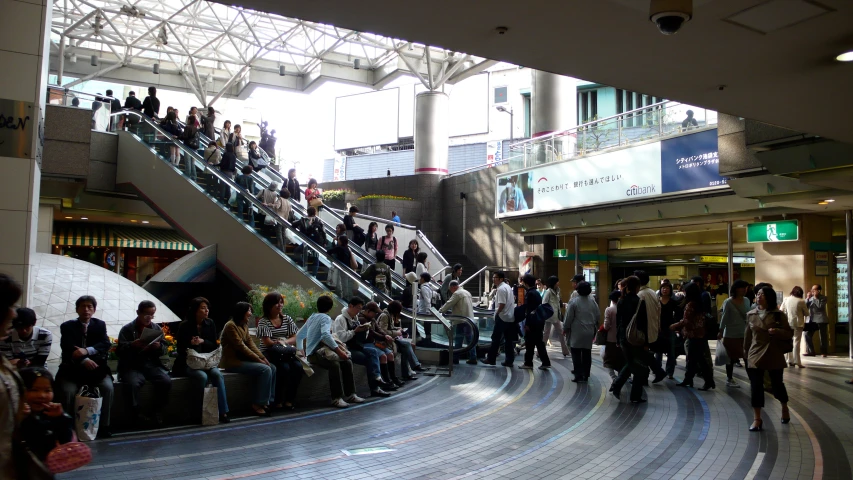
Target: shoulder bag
601,336
203,361
786,345
634,335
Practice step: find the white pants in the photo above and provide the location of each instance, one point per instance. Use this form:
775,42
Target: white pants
559,329
793,357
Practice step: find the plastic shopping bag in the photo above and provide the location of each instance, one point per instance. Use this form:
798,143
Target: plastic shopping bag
721,357
210,407
232,200
87,413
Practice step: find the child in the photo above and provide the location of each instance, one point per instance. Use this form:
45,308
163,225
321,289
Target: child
46,424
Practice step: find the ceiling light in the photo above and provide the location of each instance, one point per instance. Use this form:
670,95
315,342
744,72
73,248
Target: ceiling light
145,221
845,57
829,200
823,203
69,218
133,221
94,61
155,69
84,218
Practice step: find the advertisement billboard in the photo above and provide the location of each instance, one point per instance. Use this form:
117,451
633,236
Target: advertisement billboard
685,163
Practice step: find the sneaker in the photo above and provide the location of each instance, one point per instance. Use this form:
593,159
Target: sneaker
379,393
354,399
544,367
471,361
526,367
339,403
731,383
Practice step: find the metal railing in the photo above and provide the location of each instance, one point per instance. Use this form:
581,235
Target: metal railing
98,104
642,124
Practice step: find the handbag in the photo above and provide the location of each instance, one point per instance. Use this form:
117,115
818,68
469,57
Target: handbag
203,361
68,456
316,202
634,335
87,413
601,336
786,345
280,353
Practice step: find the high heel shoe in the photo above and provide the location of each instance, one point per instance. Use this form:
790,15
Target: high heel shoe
786,421
707,387
756,428
684,384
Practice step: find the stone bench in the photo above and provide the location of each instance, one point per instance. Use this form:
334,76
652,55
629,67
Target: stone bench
184,406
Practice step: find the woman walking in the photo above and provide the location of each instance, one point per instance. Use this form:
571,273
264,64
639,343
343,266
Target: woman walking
733,326
692,327
582,319
552,297
613,358
767,338
795,307
670,312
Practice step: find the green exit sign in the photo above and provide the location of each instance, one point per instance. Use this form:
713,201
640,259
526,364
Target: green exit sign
561,254
780,231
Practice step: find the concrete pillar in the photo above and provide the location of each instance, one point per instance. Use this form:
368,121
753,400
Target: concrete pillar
25,25
554,101
431,111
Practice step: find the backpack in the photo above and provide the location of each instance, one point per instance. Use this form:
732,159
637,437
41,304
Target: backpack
314,230
633,334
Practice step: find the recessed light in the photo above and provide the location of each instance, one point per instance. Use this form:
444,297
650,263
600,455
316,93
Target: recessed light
823,203
84,218
69,218
145,221
627,235
845,57
829,200
133,221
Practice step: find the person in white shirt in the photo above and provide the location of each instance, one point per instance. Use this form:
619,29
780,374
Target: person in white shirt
425,295
505,327
460,303
356,336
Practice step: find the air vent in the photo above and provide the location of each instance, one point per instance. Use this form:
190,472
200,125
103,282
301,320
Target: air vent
776,15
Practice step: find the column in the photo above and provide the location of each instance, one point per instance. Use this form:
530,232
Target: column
431,111
554,100
25,24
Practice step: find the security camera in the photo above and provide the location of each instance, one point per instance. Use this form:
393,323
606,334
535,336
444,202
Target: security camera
670,15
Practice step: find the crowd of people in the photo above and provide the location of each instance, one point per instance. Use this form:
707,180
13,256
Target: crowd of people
640,326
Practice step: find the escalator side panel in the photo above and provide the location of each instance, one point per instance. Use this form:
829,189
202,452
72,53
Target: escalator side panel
187,208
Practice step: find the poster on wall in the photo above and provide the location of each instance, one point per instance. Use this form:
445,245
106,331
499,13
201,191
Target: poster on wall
340,172
821,264
676,165
841,289
494,153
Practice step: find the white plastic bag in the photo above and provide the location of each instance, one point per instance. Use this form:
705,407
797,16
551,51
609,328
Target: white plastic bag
722,356
87,413
232,200
210,407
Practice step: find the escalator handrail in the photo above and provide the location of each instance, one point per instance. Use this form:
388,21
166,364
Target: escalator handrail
384,221
475,338
354,276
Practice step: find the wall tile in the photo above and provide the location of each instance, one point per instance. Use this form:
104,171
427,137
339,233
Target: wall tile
20,85
15,193
21,26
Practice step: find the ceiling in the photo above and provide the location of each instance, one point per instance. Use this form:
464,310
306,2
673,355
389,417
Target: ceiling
786,76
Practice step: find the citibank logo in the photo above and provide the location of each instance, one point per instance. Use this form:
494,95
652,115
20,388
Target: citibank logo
635,190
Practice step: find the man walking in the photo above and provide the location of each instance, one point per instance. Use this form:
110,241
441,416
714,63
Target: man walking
816,301
505,328
652,305
460,303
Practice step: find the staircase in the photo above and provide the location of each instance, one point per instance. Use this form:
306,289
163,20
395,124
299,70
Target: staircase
468,269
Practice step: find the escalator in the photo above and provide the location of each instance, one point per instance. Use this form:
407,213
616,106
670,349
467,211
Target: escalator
249,255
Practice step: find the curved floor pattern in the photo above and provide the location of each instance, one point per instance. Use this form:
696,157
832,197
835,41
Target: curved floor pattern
510,423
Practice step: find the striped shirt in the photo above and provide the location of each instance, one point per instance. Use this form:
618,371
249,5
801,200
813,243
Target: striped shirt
287,329
35,349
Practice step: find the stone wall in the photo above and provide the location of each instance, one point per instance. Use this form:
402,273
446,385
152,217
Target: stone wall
67,136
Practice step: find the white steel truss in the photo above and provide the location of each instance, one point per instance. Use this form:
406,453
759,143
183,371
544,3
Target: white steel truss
212,44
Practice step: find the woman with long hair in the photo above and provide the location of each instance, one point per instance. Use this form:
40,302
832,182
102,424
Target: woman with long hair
692,327
241,355
410,255
390,323
198,332
767,333
670,312
312,195
733,327
277,332
372,241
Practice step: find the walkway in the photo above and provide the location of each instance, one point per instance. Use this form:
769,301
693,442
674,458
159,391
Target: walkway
496,423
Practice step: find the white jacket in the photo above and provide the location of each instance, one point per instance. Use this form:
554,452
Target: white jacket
652,311
341,327
796,310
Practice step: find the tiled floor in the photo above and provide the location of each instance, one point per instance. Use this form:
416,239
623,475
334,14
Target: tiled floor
488,422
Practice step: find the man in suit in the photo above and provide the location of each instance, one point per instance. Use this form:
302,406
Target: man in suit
85,347
461,303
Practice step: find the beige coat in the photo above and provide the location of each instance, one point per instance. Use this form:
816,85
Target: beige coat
796,310
762,349
238,346
460,303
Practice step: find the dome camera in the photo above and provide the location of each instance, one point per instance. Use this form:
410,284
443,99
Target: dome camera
670,15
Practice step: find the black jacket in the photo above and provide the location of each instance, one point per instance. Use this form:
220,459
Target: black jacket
228,163
626,308
293,188
532,300
115,105
41,433
151,106
408,261
133,103
186,331
71,338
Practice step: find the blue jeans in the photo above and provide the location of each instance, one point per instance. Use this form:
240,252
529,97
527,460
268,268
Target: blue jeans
464,334
368,357
407,357
300,250
216,380
264,383
189,167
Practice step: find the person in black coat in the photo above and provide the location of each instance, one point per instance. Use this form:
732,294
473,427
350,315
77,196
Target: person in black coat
228,166
635,355
132,103
533,327
85,347
292,185
46,426
151,104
